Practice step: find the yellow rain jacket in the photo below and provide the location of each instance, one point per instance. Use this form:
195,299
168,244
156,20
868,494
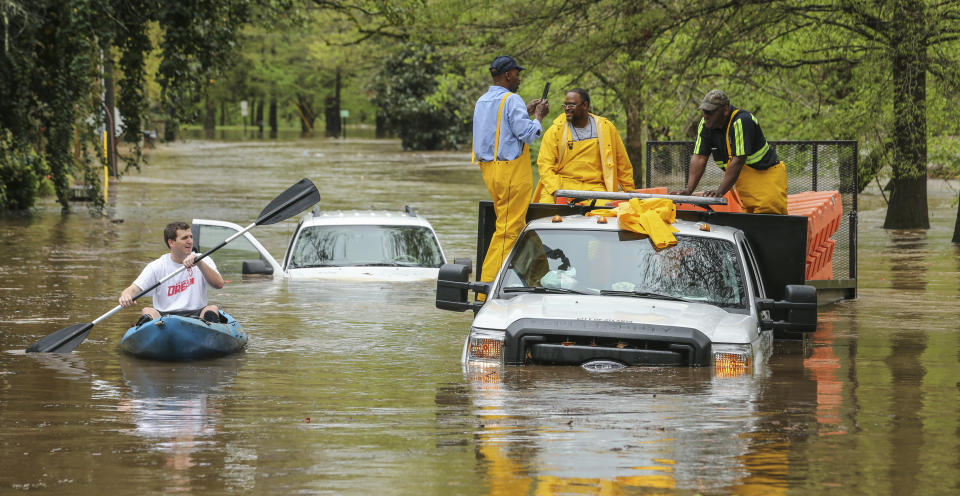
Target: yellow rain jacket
598,164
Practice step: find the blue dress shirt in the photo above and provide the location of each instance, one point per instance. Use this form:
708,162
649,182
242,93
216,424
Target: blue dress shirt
516,126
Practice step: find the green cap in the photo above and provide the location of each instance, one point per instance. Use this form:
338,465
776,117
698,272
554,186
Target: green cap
713,100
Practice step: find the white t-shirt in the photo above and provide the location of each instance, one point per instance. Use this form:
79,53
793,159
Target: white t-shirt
185,291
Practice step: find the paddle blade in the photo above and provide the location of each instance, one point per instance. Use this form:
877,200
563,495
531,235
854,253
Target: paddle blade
294,200
62,341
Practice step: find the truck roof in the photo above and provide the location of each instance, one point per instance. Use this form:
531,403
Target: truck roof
581,222
364,217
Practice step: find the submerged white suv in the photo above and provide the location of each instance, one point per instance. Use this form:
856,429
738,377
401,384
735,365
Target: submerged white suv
354,244
577,291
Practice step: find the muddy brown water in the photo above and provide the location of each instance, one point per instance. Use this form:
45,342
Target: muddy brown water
357,388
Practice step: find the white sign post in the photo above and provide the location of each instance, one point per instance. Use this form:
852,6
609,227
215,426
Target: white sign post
243,114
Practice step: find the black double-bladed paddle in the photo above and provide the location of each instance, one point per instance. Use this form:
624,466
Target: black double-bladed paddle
294,200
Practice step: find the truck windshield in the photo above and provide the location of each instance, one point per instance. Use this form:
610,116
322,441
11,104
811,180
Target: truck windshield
365,245
697,269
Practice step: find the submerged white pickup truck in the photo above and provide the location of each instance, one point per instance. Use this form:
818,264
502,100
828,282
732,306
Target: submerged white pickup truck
576,290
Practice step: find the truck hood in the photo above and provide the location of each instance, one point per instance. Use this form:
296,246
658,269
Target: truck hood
717,324
365,273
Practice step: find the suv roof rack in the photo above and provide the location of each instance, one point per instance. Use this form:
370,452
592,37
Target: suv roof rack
620,195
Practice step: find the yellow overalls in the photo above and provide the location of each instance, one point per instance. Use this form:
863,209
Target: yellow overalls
761,191
510,183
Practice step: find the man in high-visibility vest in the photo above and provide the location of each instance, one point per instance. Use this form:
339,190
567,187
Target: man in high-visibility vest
738,146
581,151
503,126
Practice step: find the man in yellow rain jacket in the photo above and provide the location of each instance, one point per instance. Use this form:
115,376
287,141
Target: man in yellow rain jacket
503,126
738,146
581,151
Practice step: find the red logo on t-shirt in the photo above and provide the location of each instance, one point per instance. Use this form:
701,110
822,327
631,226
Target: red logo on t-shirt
179,287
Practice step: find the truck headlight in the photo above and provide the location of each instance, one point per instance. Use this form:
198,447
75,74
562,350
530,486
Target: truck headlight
485,345
732,359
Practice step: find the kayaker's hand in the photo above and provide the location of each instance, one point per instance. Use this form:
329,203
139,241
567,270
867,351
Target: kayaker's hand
190,260
126,296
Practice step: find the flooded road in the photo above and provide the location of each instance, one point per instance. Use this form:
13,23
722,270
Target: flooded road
357,388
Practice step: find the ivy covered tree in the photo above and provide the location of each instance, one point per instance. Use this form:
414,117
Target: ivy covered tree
51,71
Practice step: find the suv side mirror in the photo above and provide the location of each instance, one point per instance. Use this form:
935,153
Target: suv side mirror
453,285
257,266
800,305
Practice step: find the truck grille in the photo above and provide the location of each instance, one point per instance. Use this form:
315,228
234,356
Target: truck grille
573,342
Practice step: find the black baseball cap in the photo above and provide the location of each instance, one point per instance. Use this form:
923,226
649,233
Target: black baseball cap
503,63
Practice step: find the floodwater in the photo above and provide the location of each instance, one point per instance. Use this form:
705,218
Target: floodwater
356,388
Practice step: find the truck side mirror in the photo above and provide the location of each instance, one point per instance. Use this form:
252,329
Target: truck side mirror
800,304
453,288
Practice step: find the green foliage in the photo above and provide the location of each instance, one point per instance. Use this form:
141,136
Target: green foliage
198,41
21,169
844,69
52,60
944,157
424,98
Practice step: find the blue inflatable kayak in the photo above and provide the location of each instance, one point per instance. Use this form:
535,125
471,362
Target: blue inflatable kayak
176,338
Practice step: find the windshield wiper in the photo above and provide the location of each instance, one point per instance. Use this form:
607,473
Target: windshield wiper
643,294
542,289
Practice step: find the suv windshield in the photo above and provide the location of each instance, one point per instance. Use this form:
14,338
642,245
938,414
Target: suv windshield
364,245
624,264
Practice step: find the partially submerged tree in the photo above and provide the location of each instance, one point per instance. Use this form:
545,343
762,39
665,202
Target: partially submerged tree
900,39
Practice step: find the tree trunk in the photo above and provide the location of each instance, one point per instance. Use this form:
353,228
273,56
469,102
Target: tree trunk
110,100
307,116
210,118
259,119
223,113
273,117
908,200
956,226
632,95
171,128
382,128
635,139
332,110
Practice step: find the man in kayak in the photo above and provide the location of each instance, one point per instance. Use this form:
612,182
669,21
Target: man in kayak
581,151
184,295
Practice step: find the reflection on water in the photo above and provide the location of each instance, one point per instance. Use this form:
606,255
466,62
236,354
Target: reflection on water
867,406
556,431
908,270
177,408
